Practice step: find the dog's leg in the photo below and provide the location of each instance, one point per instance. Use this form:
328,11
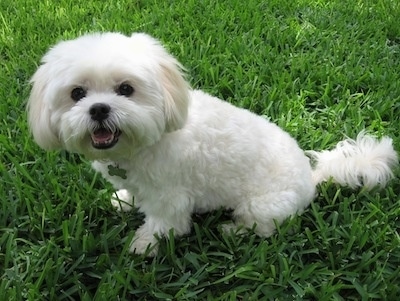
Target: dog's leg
262,213
122,200
160,219
145,238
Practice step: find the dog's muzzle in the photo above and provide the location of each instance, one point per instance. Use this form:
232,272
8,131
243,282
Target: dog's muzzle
102,137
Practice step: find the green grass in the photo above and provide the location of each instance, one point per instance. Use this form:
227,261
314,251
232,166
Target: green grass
320,69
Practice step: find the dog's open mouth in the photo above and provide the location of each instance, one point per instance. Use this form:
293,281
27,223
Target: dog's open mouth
103,138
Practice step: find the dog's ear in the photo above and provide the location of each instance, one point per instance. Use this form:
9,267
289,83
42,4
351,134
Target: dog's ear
175,87
176,93
39,113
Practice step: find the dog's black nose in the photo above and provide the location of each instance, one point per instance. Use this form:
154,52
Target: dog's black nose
99,111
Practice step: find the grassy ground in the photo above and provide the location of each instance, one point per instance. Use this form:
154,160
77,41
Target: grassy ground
320,69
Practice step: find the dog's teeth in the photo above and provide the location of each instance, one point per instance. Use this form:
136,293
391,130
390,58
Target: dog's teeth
103,138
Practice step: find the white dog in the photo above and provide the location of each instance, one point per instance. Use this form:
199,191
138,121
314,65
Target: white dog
123,103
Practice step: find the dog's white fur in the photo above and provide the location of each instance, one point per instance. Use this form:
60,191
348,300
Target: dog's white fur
183,150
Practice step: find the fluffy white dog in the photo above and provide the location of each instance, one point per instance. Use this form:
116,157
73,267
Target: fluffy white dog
123,103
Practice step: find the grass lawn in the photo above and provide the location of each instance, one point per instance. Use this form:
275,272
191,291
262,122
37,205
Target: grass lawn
320,69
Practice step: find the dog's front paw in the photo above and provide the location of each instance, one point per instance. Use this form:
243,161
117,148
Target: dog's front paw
144,246
232,228
122,200
144,243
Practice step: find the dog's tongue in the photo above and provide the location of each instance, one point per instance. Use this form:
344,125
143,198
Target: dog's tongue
102,136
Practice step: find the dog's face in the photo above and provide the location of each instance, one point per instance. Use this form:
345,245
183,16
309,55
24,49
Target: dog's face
106,95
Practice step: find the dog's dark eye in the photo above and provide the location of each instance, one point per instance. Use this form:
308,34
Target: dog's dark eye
125,90
78,93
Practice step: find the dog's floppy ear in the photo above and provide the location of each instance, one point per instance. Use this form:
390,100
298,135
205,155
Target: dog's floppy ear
171,75
39,113
176,92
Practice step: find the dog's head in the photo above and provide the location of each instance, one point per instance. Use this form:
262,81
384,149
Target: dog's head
107,95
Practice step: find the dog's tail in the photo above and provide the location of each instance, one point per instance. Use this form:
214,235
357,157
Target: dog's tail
365,161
